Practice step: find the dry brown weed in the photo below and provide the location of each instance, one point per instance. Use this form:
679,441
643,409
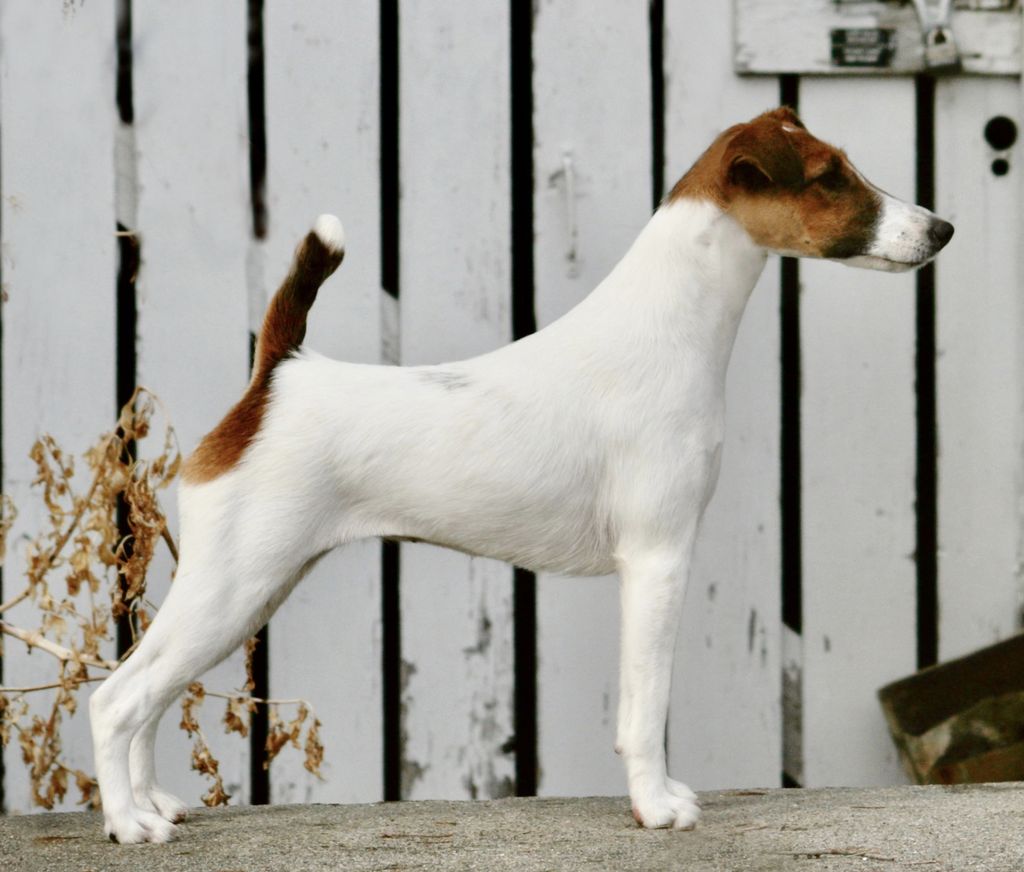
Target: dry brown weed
86,571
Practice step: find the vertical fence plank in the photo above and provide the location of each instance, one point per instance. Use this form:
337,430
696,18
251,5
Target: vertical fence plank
456,611
193,224
322,156
978,368
322,87
858,434
59,278
591,77
725,719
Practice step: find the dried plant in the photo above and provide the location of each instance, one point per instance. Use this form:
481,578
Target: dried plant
85,572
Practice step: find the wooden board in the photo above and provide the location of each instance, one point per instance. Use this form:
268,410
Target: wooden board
193,315
456,611
979,382
858,454
322,100
592,171
59,280
959,722
725,719
795,36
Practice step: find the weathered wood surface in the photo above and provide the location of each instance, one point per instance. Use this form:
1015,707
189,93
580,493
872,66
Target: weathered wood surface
59,279
979,382
592,196
725,718
193,226
455,302
322,125
858,450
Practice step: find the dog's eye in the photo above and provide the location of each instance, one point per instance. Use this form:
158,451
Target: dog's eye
832,179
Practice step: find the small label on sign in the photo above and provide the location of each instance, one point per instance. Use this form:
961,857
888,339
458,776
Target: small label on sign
863,46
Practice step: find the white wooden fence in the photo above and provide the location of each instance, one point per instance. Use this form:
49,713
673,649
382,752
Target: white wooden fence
623,96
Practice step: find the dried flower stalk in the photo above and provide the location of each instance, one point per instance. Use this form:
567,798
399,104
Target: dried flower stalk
83,573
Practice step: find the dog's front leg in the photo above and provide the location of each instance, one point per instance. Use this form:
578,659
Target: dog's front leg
652,588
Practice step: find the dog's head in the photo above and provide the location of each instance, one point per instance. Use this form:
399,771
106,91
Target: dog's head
797,195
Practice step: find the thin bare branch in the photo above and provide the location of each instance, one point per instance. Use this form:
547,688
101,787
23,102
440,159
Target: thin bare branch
245,697
13,601
53,686
37,640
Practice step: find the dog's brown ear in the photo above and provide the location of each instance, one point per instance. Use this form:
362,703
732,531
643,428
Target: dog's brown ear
760,156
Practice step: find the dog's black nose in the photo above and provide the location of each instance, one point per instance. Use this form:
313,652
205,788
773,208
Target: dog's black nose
940,232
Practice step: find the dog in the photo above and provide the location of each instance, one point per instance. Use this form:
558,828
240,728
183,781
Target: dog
588,447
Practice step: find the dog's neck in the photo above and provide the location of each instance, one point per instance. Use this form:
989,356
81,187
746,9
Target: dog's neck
686,278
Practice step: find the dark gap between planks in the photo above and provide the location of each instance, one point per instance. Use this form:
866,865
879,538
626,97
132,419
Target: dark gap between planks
129,256
791,473
259,722
524,322
657,52
391,632
790,483
257,121
926,546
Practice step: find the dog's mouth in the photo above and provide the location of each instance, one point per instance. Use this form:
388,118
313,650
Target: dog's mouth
906,237
884,264
904,257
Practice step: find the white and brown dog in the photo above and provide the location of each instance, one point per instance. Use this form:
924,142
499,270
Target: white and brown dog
590,446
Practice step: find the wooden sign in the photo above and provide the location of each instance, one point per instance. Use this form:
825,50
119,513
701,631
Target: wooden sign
858,37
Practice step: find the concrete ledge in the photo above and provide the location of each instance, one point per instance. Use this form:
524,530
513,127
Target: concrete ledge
917,829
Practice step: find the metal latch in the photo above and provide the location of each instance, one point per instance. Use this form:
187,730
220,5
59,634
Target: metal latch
940,51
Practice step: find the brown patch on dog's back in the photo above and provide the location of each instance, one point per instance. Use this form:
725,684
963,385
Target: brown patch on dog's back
284,327
222,447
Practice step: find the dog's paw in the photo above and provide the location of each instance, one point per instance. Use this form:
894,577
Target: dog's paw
160,802
167,806
666,809
677,788
135,825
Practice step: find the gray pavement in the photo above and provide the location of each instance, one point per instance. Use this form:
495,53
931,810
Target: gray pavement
899,829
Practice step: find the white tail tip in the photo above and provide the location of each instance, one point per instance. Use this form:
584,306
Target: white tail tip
330,232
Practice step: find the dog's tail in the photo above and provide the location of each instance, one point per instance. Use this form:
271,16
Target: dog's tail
284,327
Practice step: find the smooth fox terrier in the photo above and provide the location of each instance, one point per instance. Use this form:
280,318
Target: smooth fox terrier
588,447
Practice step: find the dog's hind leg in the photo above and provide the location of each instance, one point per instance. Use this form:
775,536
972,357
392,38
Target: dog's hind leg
209,611
653,583
240,558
